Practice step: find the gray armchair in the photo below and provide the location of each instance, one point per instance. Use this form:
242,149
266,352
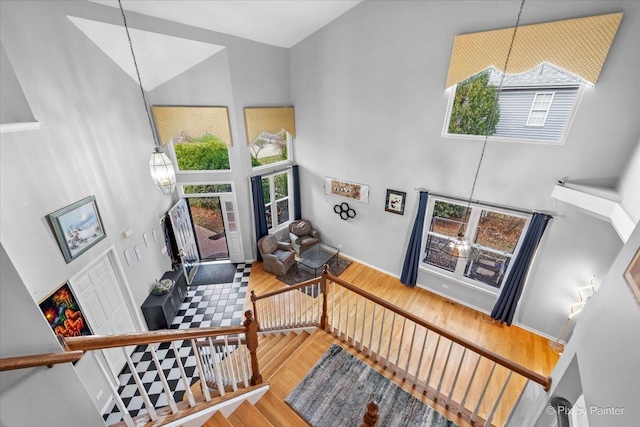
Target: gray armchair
277,257
302,235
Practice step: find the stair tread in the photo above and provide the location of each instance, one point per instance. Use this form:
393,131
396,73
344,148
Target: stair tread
217,420
271,366
278,412
276,348
246,415
267,343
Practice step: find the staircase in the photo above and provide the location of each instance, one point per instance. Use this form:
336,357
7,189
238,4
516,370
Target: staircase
273,351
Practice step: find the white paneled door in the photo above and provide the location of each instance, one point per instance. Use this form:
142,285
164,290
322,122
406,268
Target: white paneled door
103,303
185,238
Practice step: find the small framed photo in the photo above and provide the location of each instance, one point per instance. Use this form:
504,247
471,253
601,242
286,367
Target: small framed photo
395,201
632,276
77,227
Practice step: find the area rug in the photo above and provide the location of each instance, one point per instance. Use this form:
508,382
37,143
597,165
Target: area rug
337,389
212,274
297,275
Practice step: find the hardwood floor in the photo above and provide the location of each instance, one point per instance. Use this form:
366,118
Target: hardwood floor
516,344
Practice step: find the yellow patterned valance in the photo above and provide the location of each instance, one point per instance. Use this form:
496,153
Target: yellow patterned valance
576,45
270,119
191,123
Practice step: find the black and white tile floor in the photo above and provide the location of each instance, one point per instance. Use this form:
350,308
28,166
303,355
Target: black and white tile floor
204,306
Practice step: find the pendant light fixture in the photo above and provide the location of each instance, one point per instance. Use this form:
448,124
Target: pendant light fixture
160,166
460,246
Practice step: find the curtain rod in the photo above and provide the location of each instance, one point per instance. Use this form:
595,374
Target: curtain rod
274,171
478,202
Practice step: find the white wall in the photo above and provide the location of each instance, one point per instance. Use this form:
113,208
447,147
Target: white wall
60,395
95,140
369,92
606,345
628,186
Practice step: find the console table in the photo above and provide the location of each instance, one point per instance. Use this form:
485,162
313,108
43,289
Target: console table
159,310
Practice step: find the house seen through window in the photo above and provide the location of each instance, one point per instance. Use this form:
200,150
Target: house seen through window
536,105
277,199
495,236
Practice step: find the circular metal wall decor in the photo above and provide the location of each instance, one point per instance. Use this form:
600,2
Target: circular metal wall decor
344,211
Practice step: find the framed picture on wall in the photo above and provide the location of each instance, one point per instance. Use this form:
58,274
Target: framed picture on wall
77,227
632,276
395,201
346,189
62,311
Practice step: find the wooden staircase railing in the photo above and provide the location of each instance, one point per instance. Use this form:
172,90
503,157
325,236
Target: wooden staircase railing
225,357
453,371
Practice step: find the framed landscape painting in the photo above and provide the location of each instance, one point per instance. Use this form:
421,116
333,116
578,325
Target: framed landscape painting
62,311
77,227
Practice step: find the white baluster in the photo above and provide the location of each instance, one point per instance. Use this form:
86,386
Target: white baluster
143,392
466,393
413,337
346,328
424,346
397,365
455,378
355,322
340,313
306,305
203,381
126,416
373,322
163,379
364,319
243,359
228,353
183,375
393,323
444,369
495,406
433,362
216,368
484,390
384,312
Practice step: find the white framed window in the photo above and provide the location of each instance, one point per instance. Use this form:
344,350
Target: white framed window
495,236
278,199
540,108
271,149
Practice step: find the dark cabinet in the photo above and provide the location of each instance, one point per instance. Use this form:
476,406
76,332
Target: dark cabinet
159,310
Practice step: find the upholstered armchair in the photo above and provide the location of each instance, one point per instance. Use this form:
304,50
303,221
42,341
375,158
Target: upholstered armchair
302,235
277,257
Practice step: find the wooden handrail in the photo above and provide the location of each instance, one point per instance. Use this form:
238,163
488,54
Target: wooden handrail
50,359
98,342
313,281
525,372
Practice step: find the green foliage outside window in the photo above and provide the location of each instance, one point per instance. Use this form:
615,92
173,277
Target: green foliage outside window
281,183
475,109
448,210
204,153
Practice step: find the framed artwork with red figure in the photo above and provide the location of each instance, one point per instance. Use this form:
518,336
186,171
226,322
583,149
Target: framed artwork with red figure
62,311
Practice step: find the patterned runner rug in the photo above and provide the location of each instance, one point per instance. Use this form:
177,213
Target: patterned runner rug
337,389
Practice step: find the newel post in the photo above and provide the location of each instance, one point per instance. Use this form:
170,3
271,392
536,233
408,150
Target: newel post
323,289
255,307
252,344
371,417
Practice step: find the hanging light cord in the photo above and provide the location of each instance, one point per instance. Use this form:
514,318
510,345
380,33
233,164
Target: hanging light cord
493,110
135,63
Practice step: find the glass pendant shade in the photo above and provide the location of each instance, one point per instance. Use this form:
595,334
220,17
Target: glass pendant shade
162,172
457,247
